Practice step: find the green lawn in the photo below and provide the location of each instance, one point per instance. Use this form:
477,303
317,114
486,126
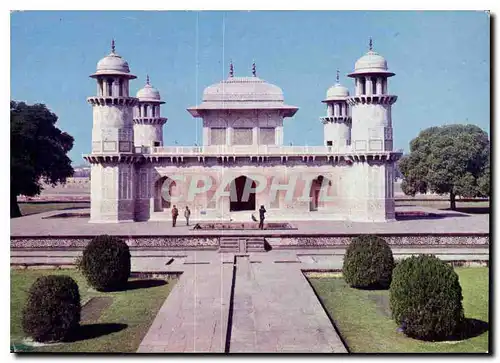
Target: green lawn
479,207
363,317
122,325
34,208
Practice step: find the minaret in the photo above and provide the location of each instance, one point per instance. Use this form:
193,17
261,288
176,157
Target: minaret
372,171
112,170
371,104
148,123
337,122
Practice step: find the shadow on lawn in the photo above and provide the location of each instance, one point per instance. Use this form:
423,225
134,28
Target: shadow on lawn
472,328
471,210
405,216
91,331
144,284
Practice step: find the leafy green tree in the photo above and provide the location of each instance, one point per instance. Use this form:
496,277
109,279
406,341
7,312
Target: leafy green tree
38,151
450,159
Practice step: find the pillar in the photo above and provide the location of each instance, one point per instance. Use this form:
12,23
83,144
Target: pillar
206,136
255,135
368,86
104,88
278,135
229,136
379,85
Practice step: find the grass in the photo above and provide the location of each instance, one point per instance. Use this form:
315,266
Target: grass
120,327
34,208
479,207
363,317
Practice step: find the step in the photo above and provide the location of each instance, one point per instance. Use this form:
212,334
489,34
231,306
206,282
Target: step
256,244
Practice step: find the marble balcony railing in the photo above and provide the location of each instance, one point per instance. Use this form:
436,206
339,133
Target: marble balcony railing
244,150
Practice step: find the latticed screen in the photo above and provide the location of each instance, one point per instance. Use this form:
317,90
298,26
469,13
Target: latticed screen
242,136
267,136
217,136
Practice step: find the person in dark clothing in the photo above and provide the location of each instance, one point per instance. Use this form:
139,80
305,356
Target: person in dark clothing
262,211
175,213
187,214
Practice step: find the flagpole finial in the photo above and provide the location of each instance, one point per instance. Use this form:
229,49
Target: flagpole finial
112,46
231,69
254,69
371,43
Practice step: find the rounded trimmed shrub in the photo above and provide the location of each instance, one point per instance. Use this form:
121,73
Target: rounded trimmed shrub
426,298
52,310
106,263
368,262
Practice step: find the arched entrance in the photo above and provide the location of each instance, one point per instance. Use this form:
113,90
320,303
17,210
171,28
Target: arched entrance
239,200
319,188
164,189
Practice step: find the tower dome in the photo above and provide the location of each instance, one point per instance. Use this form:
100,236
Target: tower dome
337,91
371,62
113,64
148,93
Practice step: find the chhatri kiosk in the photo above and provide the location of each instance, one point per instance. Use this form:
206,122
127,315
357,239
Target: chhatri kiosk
242,163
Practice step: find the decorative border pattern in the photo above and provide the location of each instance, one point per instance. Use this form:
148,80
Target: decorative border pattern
190,242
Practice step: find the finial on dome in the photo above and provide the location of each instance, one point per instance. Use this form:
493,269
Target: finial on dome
147,79
113,46
338,76
371,43
231,69
254,69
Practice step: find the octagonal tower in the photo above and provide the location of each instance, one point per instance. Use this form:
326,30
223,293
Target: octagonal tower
371,177
148,123
337,122
112,157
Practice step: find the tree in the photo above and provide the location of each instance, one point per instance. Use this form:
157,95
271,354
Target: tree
38,151
450,159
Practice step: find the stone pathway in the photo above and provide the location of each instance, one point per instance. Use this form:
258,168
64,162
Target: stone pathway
273,310
194,317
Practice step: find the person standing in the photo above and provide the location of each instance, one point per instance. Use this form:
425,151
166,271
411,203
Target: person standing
175,213
187,214
262,212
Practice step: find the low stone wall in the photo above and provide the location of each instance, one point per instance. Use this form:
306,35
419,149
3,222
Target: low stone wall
139,242
420,240
276,242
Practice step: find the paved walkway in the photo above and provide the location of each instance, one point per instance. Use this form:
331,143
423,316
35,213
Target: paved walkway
158,261
195,315
275,310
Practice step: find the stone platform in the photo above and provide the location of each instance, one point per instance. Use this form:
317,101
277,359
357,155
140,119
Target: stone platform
446,222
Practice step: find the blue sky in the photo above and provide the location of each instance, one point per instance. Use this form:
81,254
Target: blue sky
441,61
